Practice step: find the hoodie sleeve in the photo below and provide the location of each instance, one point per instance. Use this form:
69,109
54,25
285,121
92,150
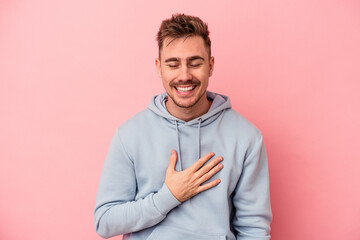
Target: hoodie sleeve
116,210
252,197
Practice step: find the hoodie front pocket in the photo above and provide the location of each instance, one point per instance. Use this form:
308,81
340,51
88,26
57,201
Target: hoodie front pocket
173,233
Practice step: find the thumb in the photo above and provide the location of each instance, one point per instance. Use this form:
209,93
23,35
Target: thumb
172,162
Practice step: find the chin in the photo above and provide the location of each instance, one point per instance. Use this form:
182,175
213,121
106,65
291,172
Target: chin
185,104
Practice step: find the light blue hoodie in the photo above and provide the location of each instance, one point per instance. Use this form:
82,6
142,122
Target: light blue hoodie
133,200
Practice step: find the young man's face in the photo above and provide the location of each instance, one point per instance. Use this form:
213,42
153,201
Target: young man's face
185,69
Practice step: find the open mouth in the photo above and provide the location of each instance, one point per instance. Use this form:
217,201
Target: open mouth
185,89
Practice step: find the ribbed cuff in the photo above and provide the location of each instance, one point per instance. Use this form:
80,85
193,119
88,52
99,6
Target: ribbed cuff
164,200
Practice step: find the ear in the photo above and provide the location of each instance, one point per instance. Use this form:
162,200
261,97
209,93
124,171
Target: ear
158,66
211,64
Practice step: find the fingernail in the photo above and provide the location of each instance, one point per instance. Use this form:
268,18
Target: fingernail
220,166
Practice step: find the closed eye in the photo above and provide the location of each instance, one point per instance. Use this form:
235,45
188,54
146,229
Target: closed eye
173,65
195,65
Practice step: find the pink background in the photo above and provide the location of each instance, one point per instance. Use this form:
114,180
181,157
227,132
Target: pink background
72,71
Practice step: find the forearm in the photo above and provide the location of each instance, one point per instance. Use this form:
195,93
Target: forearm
118,210
252,197
116,218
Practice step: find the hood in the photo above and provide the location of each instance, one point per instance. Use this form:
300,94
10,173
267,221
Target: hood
219,103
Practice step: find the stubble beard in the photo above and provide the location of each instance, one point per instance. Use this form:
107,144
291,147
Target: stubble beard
186,106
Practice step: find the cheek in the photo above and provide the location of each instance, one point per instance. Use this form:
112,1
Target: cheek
166,80
202,74
167,76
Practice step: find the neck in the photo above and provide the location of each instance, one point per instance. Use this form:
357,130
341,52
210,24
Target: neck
187,114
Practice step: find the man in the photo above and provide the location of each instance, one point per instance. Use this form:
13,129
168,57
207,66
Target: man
215,185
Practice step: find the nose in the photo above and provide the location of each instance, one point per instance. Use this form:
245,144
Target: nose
185,73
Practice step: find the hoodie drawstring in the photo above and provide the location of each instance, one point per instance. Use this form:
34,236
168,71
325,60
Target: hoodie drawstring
178,143
199,143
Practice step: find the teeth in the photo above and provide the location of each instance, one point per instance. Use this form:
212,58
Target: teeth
184,89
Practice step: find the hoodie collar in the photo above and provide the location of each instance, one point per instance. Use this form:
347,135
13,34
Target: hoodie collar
219,103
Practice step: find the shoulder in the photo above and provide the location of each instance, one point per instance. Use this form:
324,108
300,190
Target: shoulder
240,124
245,134
136,123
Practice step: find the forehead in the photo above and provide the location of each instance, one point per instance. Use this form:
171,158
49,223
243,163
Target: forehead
183,47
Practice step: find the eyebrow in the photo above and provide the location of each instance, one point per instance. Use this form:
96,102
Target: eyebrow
195,58
171,60
192,58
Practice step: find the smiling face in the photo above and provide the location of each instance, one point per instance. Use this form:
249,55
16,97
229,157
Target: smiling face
185,68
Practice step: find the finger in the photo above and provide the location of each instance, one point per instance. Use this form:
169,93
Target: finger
199,163
172,161
208,185
206,168
210,173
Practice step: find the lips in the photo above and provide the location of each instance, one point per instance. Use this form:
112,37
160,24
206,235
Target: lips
184,89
